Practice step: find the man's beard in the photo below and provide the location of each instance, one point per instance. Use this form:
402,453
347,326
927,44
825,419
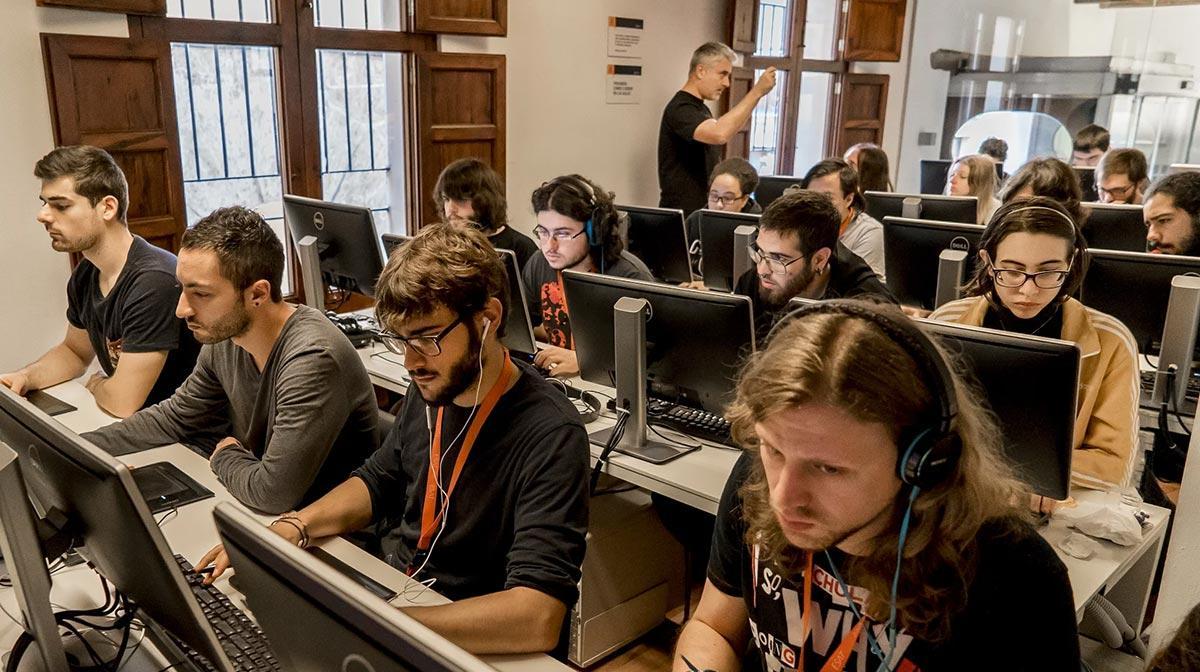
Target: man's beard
236,323
77,245
777,298
462,374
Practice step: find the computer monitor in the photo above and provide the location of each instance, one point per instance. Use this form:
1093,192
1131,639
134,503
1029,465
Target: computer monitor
882,204
1135,288
518,329
1031,384
25,564
911,251
346,241
1115,226
317,619
1087,182
717,242
658,236
1183,168
771,187
95,499
934,173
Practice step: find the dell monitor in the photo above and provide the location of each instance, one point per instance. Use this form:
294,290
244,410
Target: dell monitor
1115,226
346,241
25,564
882,204
934,173
390,242
718,247
771,187
91,496
1031,384
1087,182
318,619
658,236
1134,287
911,251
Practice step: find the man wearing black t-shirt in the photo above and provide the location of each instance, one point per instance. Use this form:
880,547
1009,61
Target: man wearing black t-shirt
689,139
481,487
120,298
825,559
469,193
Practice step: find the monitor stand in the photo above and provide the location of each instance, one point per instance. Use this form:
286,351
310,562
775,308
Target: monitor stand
952,266
629,356
1178,338
310,273
743,236
910,208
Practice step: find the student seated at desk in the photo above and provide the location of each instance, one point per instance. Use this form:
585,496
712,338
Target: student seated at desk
1122,176
832,414
481,487
577,229
120,298
729,190
470,193
1030,263
1051,178
861,233
280,380
975,175
798,254
1172,214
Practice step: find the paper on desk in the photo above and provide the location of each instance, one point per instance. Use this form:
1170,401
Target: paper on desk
1109,517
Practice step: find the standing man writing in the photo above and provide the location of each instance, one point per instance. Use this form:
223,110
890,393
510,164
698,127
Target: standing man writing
689,138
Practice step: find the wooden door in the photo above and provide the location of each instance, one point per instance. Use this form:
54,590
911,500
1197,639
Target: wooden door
861,111
874,30
461,17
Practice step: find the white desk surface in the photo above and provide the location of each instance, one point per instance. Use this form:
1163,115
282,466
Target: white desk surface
192,532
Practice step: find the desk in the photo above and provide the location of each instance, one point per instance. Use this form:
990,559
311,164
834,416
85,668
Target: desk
192,532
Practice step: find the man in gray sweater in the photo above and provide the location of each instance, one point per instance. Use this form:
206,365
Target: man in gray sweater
279,380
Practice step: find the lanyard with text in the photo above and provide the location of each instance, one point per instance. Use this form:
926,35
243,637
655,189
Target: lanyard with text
431,516
837,661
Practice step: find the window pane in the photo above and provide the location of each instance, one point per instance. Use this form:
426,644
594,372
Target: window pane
367,14
774,19
251,11
228,138
764,126
820,29
812,119
361,105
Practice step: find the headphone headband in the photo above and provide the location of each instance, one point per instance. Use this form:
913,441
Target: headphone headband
1042,207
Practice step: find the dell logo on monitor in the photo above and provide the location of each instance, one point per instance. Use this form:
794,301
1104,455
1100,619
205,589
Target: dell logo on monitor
960,243
319,220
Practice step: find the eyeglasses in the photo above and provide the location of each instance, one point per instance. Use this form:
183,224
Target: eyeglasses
560,235
775,265
1007,277
430,346
1116,192
723,199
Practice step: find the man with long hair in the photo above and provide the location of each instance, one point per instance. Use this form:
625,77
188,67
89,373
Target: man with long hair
871,522
1172,215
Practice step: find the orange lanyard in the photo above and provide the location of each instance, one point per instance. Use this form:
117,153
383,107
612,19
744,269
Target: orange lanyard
431,515
837,661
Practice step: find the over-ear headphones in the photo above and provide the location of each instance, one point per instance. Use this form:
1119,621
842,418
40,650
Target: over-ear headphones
596,225
929,450
586,403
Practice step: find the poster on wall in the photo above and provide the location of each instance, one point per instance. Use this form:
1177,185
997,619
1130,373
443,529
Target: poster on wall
624,85
625,37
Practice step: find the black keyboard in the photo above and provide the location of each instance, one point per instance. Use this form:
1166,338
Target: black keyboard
243,641
1190,394
690,421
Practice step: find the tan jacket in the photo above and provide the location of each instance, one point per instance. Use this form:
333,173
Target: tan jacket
1106,420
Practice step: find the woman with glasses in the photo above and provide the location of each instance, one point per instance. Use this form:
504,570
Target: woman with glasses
730,189
1030,263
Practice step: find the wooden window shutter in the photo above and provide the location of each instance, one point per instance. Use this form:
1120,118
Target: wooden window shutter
874,30
118,94
460,114
741,81
147,7
742,35
861,111
461,17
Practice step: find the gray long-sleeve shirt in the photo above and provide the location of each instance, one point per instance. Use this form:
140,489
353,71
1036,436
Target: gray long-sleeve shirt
304,423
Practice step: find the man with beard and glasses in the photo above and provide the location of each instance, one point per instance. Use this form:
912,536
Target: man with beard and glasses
120,298
872,522
797,253
480,490
278,381
1172,214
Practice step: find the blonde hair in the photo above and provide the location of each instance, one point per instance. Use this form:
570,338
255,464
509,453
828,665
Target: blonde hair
982,183
852,364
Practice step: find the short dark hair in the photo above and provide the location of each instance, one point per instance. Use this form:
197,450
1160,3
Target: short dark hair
475,181
1184,190
809,215
874,174
1124,161
442,266
847,179
95,172
1092,136
1051,178
741,170
246,247
581,199
1031,215
996,148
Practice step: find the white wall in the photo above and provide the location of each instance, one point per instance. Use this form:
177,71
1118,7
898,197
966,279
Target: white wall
33,298
557,120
